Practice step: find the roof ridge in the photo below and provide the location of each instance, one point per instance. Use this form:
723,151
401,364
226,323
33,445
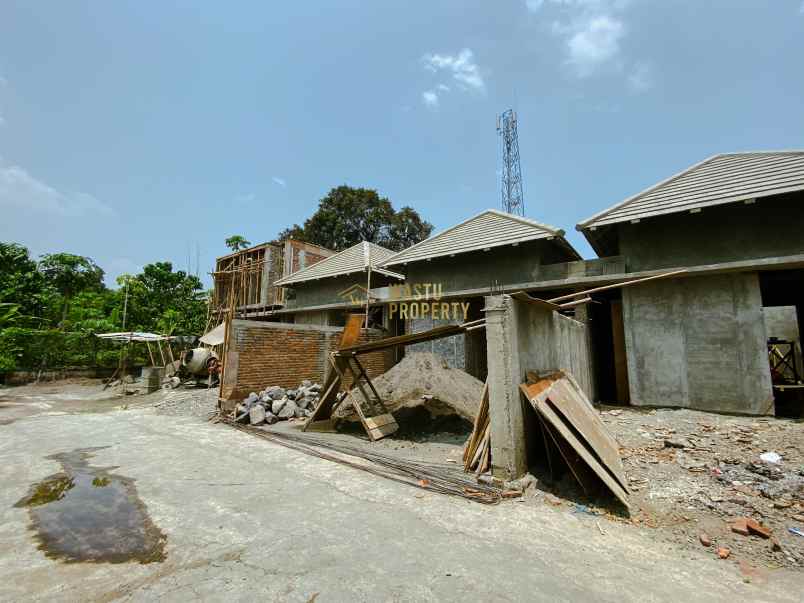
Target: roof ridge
584,223
765,152
557,231
310,267
496,212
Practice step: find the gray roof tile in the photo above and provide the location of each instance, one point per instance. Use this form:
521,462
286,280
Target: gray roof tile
354,259
725,178
491,228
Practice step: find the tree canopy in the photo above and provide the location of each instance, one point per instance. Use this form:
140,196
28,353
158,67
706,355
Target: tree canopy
349,215
237,242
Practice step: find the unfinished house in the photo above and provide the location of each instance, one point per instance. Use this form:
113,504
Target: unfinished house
247,278
292,342
734,223
490,252
322,294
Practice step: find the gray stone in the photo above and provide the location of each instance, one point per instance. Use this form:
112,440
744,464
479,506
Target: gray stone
271,418
275,392
256,415
288,410
315,387
306,383
301,413
303,402
278,405
251,399
293,394
265,397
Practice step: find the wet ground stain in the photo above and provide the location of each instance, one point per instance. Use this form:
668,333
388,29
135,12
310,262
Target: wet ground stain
88,514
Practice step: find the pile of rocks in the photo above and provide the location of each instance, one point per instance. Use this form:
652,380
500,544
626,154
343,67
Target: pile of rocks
276,403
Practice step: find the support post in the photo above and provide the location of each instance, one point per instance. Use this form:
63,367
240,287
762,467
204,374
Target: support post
508,450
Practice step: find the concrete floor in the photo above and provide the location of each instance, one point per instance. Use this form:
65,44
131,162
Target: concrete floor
247,519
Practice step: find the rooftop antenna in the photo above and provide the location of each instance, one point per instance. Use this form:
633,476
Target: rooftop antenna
510,173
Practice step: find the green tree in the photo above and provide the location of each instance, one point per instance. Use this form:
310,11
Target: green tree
70,274
349,215
236,243
20,281
165,301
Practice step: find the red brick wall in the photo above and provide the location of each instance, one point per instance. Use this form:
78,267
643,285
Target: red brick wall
264,353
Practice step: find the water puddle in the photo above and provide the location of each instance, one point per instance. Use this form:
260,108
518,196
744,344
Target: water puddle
86,513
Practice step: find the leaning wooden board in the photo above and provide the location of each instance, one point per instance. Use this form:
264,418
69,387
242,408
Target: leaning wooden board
562,425
582,415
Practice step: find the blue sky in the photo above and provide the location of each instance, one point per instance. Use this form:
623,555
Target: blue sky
134,132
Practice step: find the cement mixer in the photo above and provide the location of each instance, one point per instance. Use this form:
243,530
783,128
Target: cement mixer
195,365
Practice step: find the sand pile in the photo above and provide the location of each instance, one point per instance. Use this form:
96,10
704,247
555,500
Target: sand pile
424,379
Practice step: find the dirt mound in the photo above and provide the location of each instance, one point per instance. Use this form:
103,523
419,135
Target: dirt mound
448,391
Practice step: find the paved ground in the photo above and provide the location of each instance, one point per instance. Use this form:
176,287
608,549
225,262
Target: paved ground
246,519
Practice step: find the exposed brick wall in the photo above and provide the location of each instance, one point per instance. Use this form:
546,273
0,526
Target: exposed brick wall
263,353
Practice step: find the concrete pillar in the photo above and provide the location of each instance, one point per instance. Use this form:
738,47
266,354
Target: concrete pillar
508,453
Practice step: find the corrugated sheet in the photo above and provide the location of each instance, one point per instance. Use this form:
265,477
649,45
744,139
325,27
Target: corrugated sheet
491,228
725,178
354,259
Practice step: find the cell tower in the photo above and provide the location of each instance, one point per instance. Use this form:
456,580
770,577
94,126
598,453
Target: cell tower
511,174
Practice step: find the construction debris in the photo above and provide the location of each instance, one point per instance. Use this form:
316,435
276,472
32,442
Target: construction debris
718,482
276,403
432,477
477,451
577,432
423,379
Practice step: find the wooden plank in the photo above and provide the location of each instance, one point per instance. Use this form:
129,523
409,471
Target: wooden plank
586,292
327,425
411,338
541,402
381,432
380,420
328,401
585,419
524,297
620,361
585,476
351,332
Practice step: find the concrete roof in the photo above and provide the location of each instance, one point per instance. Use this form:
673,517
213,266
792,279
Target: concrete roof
491,228
355,259
720,179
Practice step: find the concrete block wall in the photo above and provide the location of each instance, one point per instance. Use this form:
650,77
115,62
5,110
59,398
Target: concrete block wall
264,353
524,337
451,349
698,342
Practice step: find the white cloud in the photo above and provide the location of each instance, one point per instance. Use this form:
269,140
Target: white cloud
280,181
641,77
461,66
245,198
430,98
596,41
592,32
801,9
19,189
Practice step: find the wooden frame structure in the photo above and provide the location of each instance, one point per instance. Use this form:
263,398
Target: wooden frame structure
344,362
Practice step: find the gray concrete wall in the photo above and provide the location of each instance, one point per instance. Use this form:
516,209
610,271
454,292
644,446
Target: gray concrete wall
698,342
481,269
525,337
769,227
328,291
